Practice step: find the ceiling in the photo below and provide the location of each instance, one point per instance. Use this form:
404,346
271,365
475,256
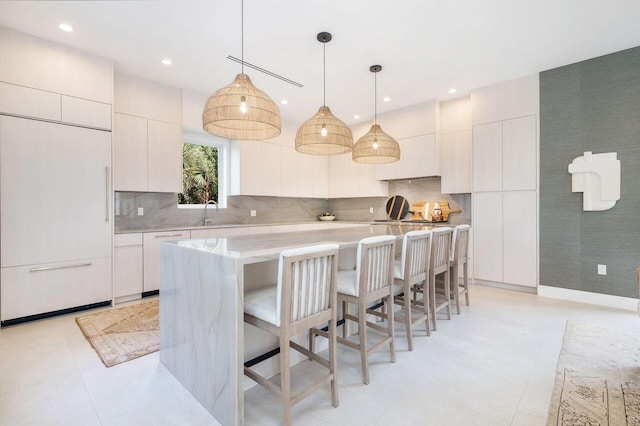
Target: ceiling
425,46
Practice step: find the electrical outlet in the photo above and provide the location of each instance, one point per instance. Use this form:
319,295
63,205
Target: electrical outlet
602,269
253,213
140,211
370,209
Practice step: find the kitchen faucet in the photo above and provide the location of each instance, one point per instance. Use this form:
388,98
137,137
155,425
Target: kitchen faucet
204,217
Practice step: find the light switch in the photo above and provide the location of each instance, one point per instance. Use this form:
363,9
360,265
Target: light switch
602,269
370,209
253,213
140,211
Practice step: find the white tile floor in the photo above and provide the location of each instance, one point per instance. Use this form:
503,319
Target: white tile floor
492,365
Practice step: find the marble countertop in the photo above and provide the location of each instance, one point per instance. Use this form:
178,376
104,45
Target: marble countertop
268,246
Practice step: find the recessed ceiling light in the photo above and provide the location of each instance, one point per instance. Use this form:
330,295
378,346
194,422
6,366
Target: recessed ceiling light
356,117
65,27
452,90
166,61
386,99
284,102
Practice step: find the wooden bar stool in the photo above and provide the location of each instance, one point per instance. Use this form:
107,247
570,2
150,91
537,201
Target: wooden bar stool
459,250
371,282
412,269
303,298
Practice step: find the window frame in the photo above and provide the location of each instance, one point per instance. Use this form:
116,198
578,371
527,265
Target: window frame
222,146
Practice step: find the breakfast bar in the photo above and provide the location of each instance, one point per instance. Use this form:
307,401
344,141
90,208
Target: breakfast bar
202,338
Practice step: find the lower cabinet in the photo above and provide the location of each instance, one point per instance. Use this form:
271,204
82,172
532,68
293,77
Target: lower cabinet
151,252
34,289
127,267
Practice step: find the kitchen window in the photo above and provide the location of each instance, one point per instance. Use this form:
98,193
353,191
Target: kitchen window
203,167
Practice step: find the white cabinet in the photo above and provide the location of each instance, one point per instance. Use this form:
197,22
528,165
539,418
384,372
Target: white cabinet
219,232
147,136
271,166
506,100
350,179
127,267
418,158
519,153
520,218
487,233
456,162
86,113
151,255
147,155
29,102
55,216
487,157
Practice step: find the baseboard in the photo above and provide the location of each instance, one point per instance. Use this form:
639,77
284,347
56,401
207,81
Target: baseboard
618,302
506,286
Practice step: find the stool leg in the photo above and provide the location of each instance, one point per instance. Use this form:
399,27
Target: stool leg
426,306
432,290
465,273
333,332
455,287
345,310
285,378
362,332
447,291
407,315
392,347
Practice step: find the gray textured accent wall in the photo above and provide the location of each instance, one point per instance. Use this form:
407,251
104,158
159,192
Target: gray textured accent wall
594,106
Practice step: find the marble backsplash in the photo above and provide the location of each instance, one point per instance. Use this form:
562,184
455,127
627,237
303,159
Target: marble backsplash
161,210
426,189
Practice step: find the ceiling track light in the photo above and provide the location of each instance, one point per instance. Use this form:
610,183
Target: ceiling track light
324,133
240,111
375,146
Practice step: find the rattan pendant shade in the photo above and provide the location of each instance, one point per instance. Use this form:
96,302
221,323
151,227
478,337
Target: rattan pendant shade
376,147
257,119
324,133
336,139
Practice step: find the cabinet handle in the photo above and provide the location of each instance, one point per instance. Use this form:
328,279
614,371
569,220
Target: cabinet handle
168,236
49,268
106,175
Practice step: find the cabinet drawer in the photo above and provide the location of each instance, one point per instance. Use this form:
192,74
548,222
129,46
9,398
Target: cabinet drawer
151,255
35,289
123,240
29,102
127,270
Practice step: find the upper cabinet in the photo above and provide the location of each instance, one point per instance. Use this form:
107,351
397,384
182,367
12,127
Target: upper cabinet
44,80
147,136
456,153
415,128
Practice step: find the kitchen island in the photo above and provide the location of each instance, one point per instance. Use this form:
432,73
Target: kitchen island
202,338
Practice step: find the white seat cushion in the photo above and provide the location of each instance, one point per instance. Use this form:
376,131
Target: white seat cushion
397,269
348,283
262,304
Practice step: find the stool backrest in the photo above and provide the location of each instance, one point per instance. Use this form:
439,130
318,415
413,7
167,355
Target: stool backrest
306,282
440,250
460,243
374,263
416,254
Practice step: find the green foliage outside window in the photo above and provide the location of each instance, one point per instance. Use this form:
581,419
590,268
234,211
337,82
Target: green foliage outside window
199,174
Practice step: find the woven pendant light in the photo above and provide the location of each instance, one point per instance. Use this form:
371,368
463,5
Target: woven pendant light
324,133
240,111
376,147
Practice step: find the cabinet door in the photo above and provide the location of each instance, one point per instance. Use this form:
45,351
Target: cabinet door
86,113
289,172
56,195
520,237
127,271
271,169
487,157
164,156
487,230
343,176
368,184
305,174
151,255
129,153
419,157
456,162
320,179
519,154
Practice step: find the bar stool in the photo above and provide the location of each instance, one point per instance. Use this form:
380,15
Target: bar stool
412,269
459,250
303,298
439,264
371,281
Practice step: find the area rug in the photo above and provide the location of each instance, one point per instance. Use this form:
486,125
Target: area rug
123,334
598,378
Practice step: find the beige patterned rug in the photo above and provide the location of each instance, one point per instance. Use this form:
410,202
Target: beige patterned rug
598,378
123,334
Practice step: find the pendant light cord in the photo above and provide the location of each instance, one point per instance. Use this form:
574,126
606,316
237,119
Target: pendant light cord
324,74
242,30
375,98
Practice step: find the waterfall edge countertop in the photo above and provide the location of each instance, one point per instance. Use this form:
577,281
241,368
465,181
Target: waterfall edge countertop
202,285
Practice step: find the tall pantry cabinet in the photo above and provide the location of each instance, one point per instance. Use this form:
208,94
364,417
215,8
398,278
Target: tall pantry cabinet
55,178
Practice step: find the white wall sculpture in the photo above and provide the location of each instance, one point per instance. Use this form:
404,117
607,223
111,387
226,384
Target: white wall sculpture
597,176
